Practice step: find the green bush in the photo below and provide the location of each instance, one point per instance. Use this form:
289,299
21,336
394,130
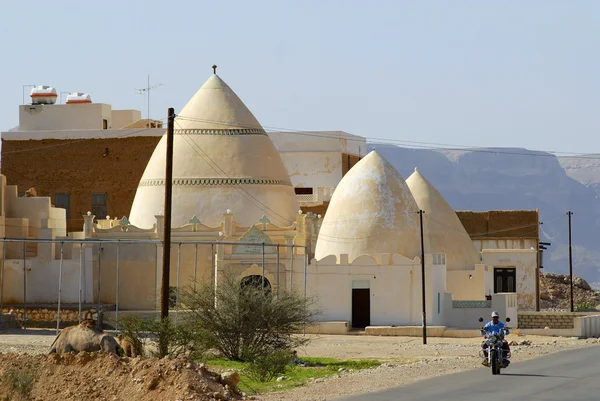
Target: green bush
584,306
265,368
246,322
179,338
17,383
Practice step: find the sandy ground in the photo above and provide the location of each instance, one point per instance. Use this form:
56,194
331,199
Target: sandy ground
405,359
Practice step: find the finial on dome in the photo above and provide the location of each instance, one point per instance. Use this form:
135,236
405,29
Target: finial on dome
416,169
214,67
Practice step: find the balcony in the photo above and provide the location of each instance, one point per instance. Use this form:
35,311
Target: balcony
319,196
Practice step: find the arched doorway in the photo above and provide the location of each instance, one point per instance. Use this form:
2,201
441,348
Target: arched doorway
256,281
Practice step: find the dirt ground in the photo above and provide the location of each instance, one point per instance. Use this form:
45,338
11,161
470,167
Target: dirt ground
405,359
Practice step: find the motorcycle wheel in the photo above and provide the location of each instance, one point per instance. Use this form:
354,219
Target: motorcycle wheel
495,362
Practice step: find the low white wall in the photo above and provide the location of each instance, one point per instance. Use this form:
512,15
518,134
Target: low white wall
395,288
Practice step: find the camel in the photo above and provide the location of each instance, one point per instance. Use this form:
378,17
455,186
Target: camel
131,348
84,337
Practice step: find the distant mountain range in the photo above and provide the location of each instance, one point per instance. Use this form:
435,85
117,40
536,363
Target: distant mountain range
510,178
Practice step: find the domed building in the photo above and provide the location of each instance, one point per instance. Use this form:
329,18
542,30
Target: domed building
372,211
222,160
448,239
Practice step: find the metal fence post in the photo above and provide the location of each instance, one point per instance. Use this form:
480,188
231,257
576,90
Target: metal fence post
80,276
177,289
2,288
195,265
24,284
263,265
212,269
98,314
277,278
291,268
117,294
59,286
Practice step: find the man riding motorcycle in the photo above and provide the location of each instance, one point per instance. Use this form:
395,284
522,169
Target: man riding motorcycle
494,326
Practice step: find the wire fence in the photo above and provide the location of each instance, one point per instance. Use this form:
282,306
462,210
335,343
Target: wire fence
102,276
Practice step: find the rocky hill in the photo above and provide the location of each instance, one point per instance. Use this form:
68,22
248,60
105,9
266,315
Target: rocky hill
555,293
505,178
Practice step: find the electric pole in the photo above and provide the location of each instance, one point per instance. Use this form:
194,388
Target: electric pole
569,213
423,279
164,294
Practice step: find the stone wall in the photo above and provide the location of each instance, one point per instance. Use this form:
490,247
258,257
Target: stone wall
35,316
79,168
552,320
500,223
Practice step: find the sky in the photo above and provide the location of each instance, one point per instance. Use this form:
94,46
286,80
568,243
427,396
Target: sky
456,72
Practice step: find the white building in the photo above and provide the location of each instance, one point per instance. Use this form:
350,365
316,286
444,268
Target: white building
362,261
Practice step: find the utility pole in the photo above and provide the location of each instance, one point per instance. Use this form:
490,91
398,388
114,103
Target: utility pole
569,213
423,279
164,295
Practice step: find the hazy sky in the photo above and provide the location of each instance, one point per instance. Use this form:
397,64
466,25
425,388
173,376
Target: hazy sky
477,73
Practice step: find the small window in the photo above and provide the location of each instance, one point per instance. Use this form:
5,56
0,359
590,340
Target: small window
505,279
99,205
303,191
104,124
63,201
439,258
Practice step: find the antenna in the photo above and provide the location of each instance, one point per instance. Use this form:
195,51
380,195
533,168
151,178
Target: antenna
147,89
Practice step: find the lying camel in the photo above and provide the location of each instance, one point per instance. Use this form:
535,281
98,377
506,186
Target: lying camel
82,337
131,348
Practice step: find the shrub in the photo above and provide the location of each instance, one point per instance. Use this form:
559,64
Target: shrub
179,338
18,383
265,368
584,306
247,322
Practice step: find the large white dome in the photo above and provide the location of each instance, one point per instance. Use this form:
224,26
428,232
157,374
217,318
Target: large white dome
442,226
222,159
371,212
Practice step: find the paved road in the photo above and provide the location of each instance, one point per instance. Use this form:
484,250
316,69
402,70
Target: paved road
564,376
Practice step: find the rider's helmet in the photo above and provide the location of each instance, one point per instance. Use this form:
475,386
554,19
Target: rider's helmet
495,314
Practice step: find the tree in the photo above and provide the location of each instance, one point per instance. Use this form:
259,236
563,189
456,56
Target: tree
248,321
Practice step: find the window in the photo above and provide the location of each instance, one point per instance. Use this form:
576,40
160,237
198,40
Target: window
439,258
505,279
99,206
63,201
104,124
303,191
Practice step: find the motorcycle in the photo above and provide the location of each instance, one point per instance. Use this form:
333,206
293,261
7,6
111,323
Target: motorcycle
497,357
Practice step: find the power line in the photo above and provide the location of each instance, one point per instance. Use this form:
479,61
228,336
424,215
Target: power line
238,187
74,141
410,144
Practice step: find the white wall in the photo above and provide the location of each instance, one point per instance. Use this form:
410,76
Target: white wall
468,285
64,116
525,262
319,141
395,287
314,159
121,118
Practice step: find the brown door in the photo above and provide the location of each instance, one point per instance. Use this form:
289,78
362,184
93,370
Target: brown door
361,307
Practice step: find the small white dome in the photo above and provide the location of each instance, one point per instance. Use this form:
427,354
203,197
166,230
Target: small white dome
371,212
442,226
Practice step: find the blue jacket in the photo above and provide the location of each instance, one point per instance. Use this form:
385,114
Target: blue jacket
490,327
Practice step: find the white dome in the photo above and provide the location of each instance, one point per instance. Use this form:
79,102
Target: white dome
222,159
442,226
371,212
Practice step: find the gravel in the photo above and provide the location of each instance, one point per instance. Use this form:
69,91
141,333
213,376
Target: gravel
405,359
